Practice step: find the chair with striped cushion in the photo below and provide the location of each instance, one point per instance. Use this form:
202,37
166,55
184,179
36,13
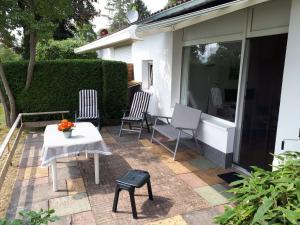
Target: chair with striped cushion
88,108
137,113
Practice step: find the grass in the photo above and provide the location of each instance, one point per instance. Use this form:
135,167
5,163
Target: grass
2,115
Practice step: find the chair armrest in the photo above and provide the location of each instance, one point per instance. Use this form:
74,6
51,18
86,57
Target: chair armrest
183,128
162,117
125,111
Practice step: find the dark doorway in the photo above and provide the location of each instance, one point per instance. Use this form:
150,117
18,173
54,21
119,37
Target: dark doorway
262,100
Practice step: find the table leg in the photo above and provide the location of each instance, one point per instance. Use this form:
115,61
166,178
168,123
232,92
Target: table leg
54,174
96,161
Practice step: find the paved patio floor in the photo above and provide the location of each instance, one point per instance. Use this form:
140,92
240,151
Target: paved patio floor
187,191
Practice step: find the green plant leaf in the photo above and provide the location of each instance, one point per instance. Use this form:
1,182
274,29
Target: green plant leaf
267,203
292,216
298,189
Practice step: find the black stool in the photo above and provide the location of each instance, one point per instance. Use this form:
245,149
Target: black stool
131,180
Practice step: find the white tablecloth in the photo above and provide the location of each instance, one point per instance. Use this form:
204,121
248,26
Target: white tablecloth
85,138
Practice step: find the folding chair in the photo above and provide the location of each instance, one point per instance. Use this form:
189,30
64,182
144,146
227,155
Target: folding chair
137,113
184,119
88,108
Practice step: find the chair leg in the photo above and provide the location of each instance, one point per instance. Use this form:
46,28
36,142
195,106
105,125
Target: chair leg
116,198
141,128
152,136
195,138
149,190
147,124
120,133
177,144
132,201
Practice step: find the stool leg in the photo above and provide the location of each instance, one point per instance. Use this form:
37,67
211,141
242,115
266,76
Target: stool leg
133,207
149,190
116,198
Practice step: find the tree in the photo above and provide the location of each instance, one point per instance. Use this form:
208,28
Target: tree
78,20
64,49
82,13
36,17
172,2
118,12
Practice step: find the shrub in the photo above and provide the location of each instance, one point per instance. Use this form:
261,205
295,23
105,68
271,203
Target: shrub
267,197
56,84
7,54
32,218
115,89
64,49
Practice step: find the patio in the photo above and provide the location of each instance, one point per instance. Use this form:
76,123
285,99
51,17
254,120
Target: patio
187,191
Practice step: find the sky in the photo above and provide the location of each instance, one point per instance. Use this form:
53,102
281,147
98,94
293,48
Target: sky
102,22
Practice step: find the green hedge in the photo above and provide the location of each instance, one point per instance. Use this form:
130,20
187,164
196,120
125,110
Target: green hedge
56,84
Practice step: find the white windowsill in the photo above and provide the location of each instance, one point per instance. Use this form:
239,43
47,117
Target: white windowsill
216,122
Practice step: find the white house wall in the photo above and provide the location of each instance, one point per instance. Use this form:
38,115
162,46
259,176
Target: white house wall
107,53
289,113
157,48
165,50
123,53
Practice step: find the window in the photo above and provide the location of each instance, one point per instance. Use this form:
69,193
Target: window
210,74
147,74
150,74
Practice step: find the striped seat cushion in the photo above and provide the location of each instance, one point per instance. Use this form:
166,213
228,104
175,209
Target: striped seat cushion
88,105
139,105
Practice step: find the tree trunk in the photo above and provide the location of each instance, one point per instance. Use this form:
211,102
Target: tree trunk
6,109
11,111
30,69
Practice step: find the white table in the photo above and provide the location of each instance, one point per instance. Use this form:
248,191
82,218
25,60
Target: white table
85,138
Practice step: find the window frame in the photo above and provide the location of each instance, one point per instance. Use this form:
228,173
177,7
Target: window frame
240,88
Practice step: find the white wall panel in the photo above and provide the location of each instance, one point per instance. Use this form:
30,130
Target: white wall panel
270,15
289,113
226,25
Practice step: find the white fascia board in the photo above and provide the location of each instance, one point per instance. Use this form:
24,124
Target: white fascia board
193,18
123,36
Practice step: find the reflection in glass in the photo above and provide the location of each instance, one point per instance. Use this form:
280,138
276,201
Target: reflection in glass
210,75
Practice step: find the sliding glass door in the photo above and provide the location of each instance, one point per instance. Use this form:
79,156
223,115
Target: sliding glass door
262,100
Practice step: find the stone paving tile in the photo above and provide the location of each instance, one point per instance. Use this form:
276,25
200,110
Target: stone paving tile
70,172
36,192
63,220
146,142
202,217
209,176
75,186
109,140
192,180
69,205
84,218
214,195
176,220
13,212
189,166
177,167
203,163
30,162
32,150
33,173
